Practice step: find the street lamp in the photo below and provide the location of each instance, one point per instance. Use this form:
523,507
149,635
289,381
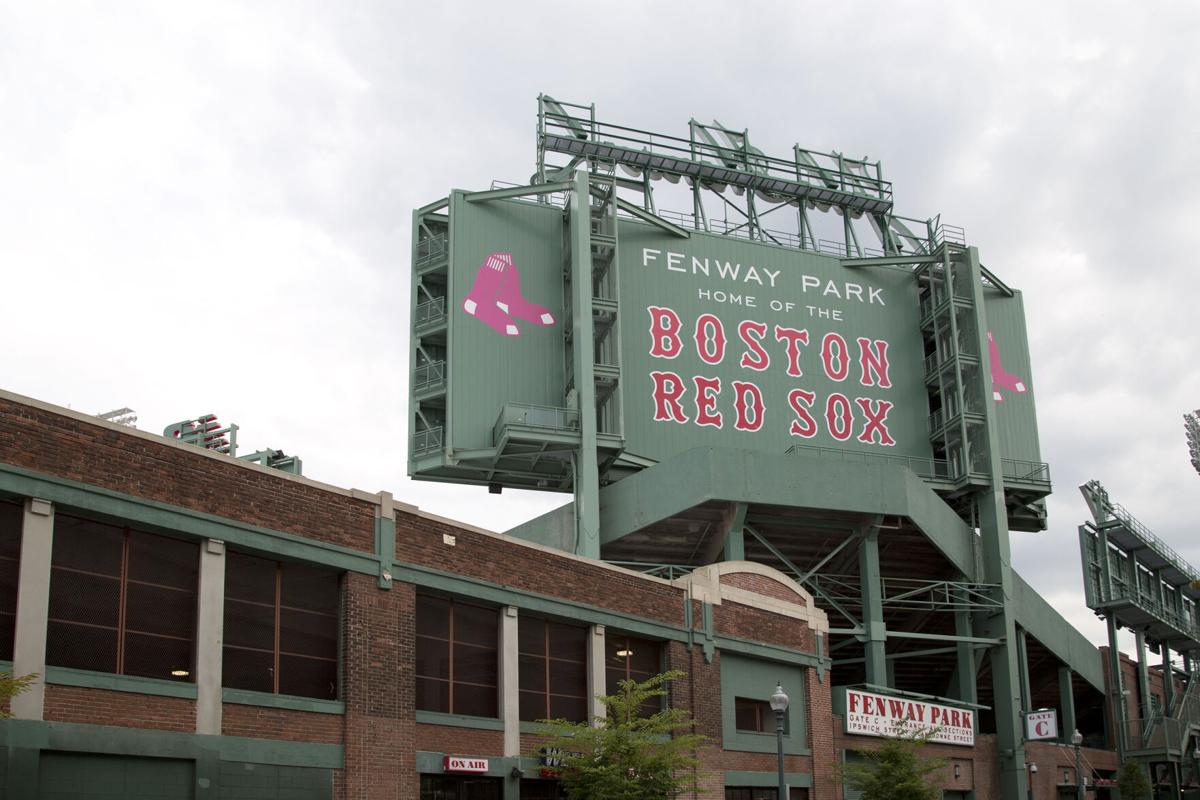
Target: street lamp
1077,739
779,704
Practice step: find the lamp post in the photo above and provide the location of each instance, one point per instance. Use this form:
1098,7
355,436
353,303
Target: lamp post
779,704
1032,773
1077,739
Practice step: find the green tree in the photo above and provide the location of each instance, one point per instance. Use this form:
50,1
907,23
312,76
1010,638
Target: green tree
11,686
628,755
1133,782
896,770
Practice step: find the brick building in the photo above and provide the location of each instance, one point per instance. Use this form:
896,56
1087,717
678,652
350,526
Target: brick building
208,628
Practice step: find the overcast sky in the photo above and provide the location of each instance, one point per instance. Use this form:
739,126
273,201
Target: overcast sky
207,208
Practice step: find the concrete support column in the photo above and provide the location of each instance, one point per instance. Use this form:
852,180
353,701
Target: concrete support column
874,628
595,672
510,686
210,637
1066,704
33,606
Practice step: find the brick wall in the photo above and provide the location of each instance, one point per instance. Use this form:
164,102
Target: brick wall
454,740
378,664
128,709
89,453
257,722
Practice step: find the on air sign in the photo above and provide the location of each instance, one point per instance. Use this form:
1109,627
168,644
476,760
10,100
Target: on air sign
462,764
870,714
1041,724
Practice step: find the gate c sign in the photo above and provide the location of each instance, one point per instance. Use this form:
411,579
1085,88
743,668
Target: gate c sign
1041,724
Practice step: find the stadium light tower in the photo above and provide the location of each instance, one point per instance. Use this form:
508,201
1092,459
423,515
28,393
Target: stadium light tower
1191,428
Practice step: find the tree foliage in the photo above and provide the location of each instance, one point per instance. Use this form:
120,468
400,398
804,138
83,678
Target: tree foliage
896,770
628,755
1133,782
11,686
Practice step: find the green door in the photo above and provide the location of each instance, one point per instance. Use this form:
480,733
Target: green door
66,776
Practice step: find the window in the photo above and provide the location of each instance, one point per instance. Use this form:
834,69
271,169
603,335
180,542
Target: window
121,600
764,793
754,715
553,670
457,657
627,658
281,627
11,517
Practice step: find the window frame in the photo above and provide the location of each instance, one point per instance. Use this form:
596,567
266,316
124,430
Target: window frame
450,642
277,608
547,661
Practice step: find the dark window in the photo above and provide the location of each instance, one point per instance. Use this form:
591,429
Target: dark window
553,670
121,600
532,789
755,715
10,565
627,658
457,657
454,787
281,627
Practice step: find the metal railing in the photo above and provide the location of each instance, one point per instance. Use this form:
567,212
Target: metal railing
1166,551
426,440
667,571
430,311
527,415
430,250
429,374
1025,471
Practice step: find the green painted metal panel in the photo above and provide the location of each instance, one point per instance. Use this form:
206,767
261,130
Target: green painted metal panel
1012,376
1044,623
736,281
489,367
74,776
66,676
272,782
756,680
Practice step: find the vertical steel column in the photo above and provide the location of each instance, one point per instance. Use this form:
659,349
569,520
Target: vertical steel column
210,634
992,516
587,473
1066,703
964,654
33,606
595,673
1168,673
874,628
1023,665
735,543
1118,699
1143,674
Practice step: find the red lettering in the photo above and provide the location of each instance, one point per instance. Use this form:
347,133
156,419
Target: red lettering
664,332
955,720
668,391
876,412
935,714
750,415
897,708
707,390
966,719
852,699
756,356
803,425
794,339
833,355
839,417
710,339
874,362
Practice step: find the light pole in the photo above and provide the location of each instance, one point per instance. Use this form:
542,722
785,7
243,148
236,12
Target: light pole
779,704
1032,773
1077,739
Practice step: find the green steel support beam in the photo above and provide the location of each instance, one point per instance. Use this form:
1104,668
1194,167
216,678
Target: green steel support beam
997,567
1023,665
519,191
892,261
735,543
587,472
659,222
1116,701
1066,705
875,630
1168,673
1143,674
966,688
